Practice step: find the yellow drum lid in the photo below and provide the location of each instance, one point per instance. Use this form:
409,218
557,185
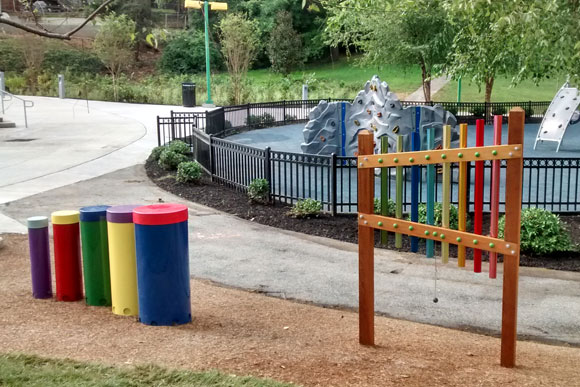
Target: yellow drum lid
65,217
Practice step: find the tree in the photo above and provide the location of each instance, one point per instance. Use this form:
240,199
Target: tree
285,45
548,38
140,12
114,44
389,31
42,31
485,45
240,40
33,49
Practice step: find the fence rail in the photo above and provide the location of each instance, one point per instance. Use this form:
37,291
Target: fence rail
551,183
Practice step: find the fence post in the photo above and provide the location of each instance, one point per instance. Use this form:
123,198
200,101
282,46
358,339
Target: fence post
158,132
172,128
268,172
211,158
513,206
333,184
248,123
366,249
284,110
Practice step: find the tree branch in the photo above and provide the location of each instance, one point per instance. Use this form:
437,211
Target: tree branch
54,35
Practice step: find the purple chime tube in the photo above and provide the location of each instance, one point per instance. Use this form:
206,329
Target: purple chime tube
39,256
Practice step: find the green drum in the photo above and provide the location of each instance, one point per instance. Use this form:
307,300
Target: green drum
95,247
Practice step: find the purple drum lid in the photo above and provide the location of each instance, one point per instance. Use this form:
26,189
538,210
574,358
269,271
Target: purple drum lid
121,214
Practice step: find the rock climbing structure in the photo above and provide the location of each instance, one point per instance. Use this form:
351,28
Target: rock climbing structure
333,127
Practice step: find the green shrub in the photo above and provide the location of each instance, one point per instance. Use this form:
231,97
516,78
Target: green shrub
11,58
259,191
262,121
542,232
179,146
437,215
156,152
306,208
391,207
499,110
478,111
169,160
75,61
185,54
189,171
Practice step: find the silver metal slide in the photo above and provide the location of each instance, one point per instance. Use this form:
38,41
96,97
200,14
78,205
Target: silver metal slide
560,114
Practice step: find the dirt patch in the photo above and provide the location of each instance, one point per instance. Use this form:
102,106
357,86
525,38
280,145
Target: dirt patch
340,227
250,334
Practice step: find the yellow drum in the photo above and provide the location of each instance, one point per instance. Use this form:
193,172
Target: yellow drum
121,232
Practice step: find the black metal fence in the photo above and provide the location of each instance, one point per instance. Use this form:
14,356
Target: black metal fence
548,183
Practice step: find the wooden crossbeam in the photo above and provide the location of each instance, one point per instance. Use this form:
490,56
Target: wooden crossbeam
439,156
425,231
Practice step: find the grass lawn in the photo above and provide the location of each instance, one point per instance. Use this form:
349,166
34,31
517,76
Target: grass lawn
502,92
24,370
401,79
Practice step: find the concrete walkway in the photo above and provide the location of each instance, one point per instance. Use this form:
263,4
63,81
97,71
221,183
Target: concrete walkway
66,143
242,254
436,85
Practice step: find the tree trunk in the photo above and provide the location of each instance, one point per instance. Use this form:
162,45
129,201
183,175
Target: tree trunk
426,81
488,88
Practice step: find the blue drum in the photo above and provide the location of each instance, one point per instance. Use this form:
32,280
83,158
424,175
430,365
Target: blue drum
162,253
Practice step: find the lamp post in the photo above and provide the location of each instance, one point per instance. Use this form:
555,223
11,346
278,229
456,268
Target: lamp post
214,6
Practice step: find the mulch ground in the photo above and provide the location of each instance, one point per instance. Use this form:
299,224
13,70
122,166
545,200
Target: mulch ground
340,227
246,333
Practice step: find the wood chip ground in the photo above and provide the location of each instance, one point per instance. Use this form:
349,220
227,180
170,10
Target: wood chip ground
246,333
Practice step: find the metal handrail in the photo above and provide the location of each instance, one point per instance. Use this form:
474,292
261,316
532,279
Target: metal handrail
25,103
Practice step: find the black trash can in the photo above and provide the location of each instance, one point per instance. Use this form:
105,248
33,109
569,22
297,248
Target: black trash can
188,94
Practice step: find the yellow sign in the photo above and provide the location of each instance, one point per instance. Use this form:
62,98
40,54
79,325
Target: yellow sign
214,6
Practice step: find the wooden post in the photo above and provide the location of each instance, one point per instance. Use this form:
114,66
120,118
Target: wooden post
399,208
384,189
463,199
366,274
513,206
446,188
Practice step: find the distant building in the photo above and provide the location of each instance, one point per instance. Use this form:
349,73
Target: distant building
10,5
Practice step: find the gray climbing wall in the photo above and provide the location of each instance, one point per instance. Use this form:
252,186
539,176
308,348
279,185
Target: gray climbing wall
374,108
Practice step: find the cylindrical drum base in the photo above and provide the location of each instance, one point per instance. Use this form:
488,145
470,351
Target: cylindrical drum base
95,249
67,256
163,273
39,258
123,269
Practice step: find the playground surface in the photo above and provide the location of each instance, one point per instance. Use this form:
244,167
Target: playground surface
244,333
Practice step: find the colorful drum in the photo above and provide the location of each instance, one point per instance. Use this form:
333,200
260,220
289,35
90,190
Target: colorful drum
67,255
122,260
95,248
162,248
39,256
